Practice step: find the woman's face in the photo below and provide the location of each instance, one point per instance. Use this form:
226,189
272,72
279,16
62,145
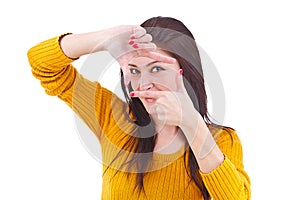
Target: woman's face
152,75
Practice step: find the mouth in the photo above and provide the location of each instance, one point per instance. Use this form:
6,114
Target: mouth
150,100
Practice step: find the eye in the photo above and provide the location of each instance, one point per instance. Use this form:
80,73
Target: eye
157,69
134,71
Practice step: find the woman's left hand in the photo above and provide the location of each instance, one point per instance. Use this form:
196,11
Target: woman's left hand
173,108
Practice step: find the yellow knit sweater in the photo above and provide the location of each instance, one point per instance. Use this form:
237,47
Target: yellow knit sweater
103,112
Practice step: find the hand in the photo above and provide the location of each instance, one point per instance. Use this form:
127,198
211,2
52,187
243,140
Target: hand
127,42
121,40
173,108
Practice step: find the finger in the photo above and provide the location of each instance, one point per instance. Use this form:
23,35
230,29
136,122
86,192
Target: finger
180,84
138,32
161,115
159,112
123,61
152,110
126,72
144,39
147,94
146,46
156,109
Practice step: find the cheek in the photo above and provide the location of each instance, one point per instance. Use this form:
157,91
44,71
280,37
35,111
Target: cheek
167,82
163,81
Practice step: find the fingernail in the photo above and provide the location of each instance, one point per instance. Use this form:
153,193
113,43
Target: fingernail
131,94
132,37
131,42
135,46
180,71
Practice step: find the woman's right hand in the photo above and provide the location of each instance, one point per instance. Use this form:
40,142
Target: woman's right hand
122,42
127,42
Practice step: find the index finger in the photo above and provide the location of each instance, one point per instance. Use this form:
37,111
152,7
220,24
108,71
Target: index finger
147,94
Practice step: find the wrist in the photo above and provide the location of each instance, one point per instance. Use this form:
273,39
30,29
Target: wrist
193,124
191,120
104,39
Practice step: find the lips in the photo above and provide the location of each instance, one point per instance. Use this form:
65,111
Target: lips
150,100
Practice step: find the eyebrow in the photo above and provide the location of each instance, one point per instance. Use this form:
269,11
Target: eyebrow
151,63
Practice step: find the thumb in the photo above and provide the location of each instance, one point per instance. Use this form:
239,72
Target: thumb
126,73
180,84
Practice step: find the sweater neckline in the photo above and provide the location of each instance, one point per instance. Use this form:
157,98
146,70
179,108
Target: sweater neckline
161,157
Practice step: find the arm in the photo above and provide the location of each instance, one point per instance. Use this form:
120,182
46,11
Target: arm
59,78
51,63
208,154
120,41
220,162
76,45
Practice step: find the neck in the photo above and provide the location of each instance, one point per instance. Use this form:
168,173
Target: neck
169,139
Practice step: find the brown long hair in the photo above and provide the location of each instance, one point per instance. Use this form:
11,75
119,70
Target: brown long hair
172,36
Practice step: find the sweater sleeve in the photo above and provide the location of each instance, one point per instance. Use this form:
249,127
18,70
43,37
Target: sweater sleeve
229,181
91,102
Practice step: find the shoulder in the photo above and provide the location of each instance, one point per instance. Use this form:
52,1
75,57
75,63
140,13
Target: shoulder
224,134
229,142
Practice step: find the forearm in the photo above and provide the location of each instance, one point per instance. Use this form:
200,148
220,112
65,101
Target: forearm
208,156
206,151
219,162
76,45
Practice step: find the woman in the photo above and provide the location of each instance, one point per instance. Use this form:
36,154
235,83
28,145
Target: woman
160,144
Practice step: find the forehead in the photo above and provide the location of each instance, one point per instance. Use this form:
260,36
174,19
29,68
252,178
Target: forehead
141,60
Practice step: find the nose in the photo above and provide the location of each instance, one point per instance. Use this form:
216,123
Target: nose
145,83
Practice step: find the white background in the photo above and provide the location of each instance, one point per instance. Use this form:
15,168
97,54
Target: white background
254,45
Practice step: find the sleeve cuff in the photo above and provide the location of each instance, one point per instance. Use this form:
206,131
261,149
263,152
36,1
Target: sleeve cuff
224,181
49,53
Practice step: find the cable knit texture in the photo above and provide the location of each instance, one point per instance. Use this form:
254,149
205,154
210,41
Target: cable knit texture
104,114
